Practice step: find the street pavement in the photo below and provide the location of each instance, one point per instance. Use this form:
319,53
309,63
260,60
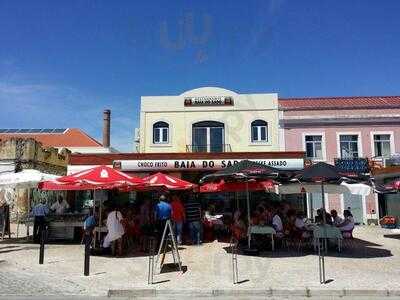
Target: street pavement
185,298
371,264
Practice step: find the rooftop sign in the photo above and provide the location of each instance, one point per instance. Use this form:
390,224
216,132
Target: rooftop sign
208,101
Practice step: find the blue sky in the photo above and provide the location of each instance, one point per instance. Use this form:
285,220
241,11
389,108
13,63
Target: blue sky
63,62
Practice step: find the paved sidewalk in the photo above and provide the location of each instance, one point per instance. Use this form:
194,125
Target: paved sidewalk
373,264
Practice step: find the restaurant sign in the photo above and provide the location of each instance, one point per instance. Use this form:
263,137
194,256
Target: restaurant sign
202,165
208,101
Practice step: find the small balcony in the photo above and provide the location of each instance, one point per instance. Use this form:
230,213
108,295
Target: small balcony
213,148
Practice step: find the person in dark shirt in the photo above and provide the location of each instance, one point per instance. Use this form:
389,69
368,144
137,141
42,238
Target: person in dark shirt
162,213
193,219
319,217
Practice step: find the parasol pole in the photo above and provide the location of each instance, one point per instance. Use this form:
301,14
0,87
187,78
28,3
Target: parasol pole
248,210
29,210
324,240
100,216
94,214
323,203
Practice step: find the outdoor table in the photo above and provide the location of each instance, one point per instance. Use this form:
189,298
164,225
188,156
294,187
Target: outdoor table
267,230
327,232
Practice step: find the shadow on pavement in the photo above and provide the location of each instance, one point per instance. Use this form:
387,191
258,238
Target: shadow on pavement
17,249
392,236
351,248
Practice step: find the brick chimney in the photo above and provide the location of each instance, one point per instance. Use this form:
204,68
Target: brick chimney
106,128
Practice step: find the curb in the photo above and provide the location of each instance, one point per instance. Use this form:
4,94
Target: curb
253,292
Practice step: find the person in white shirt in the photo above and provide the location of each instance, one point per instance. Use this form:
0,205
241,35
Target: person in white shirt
115,230
60,206
300,225
335,218
348,223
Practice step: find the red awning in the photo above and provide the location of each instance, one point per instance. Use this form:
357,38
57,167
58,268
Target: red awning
54,185
168,182
101,177
394,185
223,186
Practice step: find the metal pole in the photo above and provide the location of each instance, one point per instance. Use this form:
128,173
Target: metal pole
100,214
323,203
88,241
235,275
29,209
94,214
248,212
324,241
150,277
42,230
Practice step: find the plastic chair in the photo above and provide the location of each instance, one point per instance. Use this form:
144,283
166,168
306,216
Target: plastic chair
348,238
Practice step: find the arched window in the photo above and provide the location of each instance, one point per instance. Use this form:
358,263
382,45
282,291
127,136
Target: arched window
259,131
160,133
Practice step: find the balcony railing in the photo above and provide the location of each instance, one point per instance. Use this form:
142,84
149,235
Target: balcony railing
209,148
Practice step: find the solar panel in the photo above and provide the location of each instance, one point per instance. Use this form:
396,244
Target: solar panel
33,130
47,130
59,130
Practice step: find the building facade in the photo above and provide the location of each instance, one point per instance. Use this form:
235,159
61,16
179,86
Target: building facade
345,128
209,120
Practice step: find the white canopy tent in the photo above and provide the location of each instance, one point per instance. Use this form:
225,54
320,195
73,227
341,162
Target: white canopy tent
25,179
343,188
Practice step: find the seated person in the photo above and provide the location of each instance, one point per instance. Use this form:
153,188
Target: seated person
300,225
277,224
239,228
319,217
348,223
335,218
289,223
255,219
261,216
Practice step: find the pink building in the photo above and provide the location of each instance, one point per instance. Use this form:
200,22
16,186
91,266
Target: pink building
342,127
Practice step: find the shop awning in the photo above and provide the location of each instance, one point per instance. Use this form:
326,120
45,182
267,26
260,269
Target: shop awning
222,186
101,177
246,169
168,182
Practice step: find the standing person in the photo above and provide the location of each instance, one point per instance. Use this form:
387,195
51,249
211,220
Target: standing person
39,213
178,216
162,214
145,222
88,227
115,230
193,218
60,206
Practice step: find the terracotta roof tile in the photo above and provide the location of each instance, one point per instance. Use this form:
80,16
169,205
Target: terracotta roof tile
72,137
339,102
